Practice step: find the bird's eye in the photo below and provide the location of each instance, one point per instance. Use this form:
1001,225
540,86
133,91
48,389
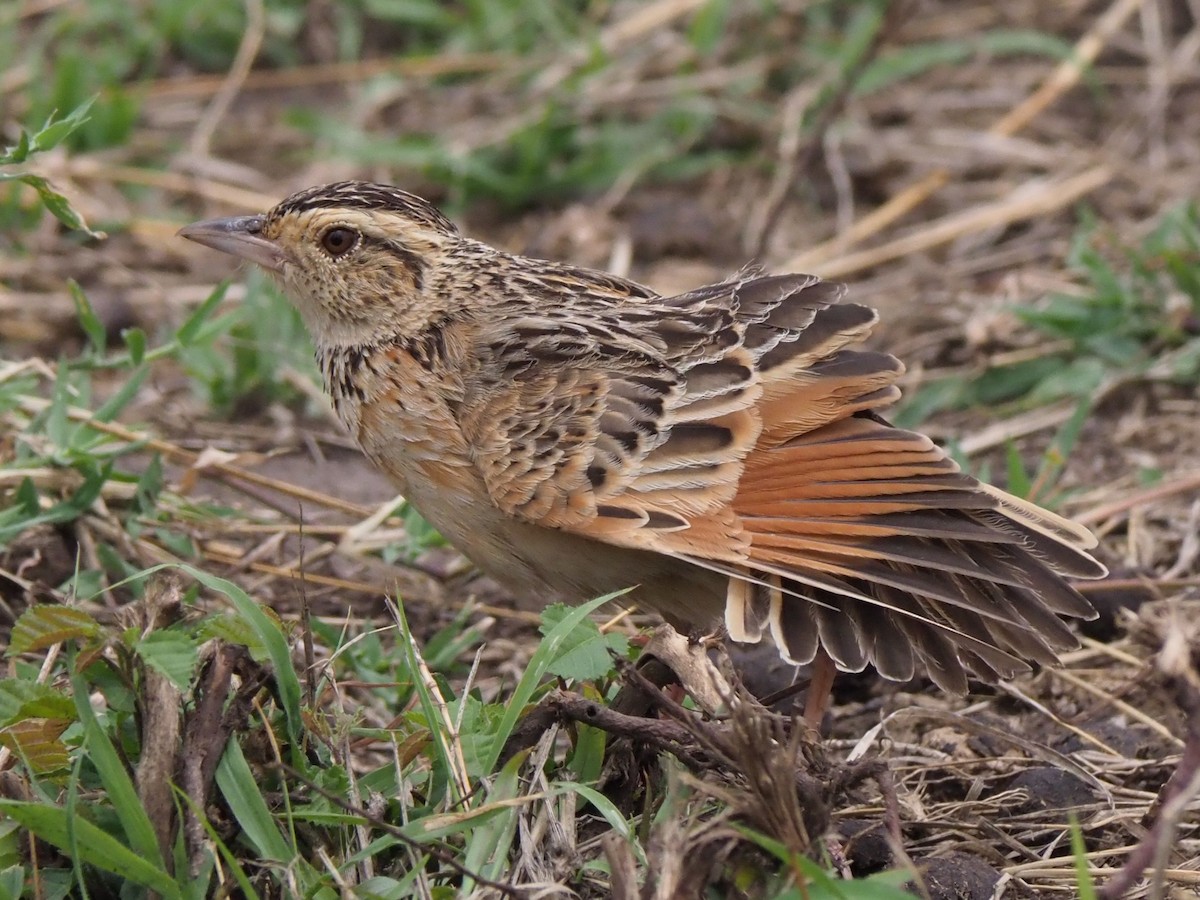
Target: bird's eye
337,241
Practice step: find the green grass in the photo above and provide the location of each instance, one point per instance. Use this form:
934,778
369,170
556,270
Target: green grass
554,141
252,354
1134,315
293,814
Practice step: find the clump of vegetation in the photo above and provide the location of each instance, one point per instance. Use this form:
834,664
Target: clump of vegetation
1135,314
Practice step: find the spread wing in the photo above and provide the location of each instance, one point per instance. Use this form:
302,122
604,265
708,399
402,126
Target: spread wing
735,427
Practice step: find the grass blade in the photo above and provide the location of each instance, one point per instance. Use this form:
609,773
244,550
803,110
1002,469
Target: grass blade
245,800
272,639
95,846
547,651
121,792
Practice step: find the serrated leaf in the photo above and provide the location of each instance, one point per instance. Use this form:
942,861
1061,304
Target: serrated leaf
95,846
234,630
584,652
536,670
22,699
45,625
172,653
36,741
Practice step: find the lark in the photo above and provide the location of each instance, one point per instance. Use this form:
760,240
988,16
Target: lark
722,452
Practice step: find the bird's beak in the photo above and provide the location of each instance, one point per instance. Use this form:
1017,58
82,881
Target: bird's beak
239,236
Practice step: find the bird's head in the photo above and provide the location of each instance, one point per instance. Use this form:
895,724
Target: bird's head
355,258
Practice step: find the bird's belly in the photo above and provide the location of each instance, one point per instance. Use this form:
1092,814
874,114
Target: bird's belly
550,564
537,562
547,564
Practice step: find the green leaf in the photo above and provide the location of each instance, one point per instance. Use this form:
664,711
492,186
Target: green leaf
587,756
96,333
135,343
38,742
12,881
23,699
1078,378
120,398
539,666
47,624
244,796
708,25
197,889
1007,382
49,136
27,498
68,510
441,735
233,629
584,651
18,153
932,397
54,132
171,653
58,205
487,848
612,815
1083,875
95,846
149,485
268,633
117,783
191,328
1019,481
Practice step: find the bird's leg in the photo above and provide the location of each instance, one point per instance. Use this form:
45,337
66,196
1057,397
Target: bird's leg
820,685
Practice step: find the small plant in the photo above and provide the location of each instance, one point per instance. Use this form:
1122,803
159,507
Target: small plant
254,353
1136,315
571,136
87,797
440,809
50,135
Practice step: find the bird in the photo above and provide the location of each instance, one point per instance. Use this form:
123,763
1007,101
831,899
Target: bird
724,453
